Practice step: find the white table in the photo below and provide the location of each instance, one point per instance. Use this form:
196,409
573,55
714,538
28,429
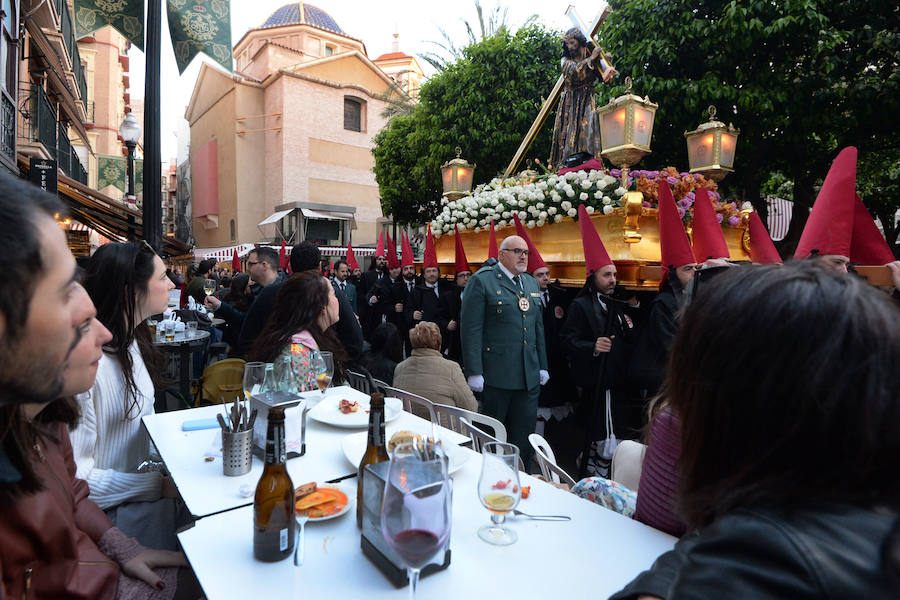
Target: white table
206,490
591,556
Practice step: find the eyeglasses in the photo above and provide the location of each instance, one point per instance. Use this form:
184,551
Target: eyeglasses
516,251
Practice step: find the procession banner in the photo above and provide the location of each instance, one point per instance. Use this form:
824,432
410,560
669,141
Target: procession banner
125,16
113,170
200,26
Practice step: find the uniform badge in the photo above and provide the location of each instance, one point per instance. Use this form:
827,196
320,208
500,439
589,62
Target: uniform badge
524,305
628,320
558,312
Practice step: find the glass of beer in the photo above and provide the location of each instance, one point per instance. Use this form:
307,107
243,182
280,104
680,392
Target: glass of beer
498,490
325,371
209,287
170,331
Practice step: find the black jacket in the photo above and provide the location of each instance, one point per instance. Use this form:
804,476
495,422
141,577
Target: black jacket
818,551
559,389
451,304
647,368
389,294
423,298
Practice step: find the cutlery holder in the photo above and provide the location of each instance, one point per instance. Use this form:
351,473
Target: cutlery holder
236,452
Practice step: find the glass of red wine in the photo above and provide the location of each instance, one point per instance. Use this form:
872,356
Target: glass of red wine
415,513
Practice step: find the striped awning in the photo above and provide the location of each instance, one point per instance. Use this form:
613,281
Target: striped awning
779,220
223,253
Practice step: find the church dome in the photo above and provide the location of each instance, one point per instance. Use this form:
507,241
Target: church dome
301,13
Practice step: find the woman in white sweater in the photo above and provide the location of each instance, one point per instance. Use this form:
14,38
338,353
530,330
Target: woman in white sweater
128,283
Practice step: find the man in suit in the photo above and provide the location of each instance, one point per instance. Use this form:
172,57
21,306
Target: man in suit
503,342
425,299
342,282
387,300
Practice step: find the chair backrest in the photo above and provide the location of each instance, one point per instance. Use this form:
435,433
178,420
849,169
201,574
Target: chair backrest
413,403
480,438
359,382
627,461
223,378
547,461
450,416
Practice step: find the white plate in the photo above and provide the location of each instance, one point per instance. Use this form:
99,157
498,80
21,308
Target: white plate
354,446
351,499
327,412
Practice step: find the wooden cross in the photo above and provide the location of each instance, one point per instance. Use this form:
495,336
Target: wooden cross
551,101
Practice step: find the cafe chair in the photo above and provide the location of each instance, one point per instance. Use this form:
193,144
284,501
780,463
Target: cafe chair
223,379
359,381
480,438
547,461
413,403
450,418
627,461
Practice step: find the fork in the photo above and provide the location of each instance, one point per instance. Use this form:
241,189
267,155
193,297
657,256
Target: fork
519,513
298,551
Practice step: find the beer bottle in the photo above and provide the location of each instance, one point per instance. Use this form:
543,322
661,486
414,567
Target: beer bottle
273,505
376,448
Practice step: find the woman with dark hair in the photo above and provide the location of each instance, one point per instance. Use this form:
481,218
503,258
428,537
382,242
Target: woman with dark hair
300,327
233,307
385,352
127,283
786,383
56,542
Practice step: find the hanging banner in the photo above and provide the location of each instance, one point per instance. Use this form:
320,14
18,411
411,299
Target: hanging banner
126,17
200,26
113,170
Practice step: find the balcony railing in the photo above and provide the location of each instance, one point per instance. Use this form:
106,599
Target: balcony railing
38,117
66,157
67,30
7,128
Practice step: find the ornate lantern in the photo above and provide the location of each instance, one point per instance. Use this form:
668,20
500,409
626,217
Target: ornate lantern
456,175
711,147
626,126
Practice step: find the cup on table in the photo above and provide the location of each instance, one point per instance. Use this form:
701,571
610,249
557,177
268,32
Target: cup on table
179,328
170,330
190,329
236,456
151,323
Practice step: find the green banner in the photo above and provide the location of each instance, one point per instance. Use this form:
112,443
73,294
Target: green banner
126,17
113,170
200,26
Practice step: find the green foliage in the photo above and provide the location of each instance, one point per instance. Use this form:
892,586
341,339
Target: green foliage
484,103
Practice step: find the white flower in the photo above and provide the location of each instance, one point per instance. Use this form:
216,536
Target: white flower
551,211
532,209
522,204
747,206
570,176
494,202
570,193
555,197
522,215
607,209
607,200
502,223
505,214
477,229
541,222
620,191
540,205
585,184
566,205
542,214
552,180
466,220
558,218
572,212
598,195
589,209
607,180
583,196
530,224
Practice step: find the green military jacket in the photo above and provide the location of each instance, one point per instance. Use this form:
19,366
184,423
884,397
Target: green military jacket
499,340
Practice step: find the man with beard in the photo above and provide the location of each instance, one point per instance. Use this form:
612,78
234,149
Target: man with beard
425,298
451,302
366,286
341,282
503,342
387,299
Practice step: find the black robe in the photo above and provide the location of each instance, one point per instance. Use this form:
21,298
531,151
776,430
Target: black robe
451,304
424,299
559,389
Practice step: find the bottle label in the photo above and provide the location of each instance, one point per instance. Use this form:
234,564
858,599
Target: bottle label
376,431
283,540
275,446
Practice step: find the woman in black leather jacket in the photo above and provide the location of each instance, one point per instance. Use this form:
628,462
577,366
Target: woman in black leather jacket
787,381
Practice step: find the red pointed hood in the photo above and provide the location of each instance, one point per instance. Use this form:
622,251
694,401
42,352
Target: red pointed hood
282,257
379,249
535,261
674,245
709,241
462,263
762,250
406,247
867,247
235,262
493,248
392,261
595,255
430,258
351,257
830,225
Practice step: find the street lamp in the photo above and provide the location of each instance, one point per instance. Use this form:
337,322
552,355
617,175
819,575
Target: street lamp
711,147
456,175
130,130
626,126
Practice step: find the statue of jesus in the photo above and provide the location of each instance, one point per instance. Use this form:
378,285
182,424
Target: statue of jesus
577,126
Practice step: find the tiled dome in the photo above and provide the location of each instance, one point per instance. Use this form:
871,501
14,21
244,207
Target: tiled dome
289,14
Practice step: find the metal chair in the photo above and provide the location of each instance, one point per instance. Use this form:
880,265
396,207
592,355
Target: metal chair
359,382
411,402
547,461
450,416
480,438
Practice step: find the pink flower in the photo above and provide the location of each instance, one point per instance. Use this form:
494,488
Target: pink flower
671,180
719,217
681,212
734,221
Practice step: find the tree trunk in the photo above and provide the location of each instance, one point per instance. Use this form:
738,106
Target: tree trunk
803,201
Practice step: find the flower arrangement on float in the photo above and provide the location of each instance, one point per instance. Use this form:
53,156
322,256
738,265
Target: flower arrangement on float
549,198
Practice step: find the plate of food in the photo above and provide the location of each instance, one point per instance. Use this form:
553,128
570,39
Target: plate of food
322,501
354,446
352,414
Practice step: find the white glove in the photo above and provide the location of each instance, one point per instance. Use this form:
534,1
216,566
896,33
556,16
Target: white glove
476,382
545,377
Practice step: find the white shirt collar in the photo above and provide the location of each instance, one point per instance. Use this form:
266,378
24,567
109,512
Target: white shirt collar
507,272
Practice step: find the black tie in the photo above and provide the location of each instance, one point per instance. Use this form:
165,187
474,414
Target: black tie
517,281
342,287
546,299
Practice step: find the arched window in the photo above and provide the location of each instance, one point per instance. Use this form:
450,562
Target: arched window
353,114
231,224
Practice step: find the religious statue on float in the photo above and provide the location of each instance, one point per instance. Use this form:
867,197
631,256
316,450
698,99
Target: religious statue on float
577,127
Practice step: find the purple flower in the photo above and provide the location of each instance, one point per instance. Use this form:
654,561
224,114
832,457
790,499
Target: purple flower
628,182
615,172
690,195
671,180
719,217
681,212
646,204
734,221
684,203
652,174
714,195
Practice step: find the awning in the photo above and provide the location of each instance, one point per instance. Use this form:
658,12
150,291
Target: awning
329,215
275,217
223,253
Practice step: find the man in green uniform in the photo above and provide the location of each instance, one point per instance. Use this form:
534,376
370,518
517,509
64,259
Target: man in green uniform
502,335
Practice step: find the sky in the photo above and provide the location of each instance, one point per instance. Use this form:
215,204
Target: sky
418,21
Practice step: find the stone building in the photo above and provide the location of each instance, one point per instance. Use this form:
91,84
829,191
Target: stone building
282,148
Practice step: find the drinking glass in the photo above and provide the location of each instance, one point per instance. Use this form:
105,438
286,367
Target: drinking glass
498,490
151,323
209,287
170,331
190,330
254,377
325,371
415,512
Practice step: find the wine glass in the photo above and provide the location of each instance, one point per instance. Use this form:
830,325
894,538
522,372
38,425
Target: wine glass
209,286
498,490
325,371
254,377
415,513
